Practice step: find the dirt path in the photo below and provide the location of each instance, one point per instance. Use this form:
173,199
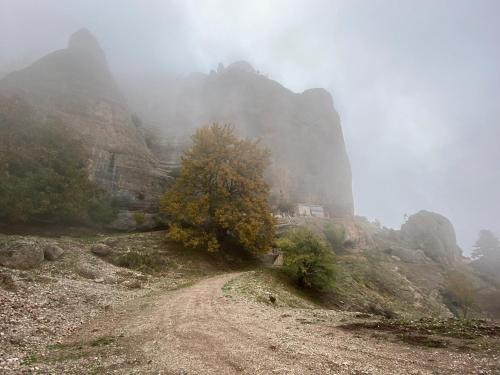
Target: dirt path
199,330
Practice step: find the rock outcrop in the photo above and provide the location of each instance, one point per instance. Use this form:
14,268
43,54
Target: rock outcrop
101,249
27,252
52,252
76,86
434,235
303,131
21,253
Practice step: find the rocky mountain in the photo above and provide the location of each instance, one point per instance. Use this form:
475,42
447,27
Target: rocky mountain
76,86
303,130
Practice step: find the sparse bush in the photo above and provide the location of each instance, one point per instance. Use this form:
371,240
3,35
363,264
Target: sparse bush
461,292
307,260
102,208
139,218
335,236
146,261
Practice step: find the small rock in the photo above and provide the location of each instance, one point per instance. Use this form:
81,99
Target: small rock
16,340
52,252
132,284
7,282
101,249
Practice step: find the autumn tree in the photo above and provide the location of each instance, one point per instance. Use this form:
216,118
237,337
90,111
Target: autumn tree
220,196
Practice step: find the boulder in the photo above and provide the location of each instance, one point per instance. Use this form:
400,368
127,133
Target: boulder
21,253
52,252
101,249
434,235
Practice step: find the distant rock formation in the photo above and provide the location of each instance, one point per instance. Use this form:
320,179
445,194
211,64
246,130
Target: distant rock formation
434,235
76,86
303,131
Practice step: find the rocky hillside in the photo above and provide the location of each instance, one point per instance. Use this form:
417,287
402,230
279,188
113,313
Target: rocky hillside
407,271
302,130
51,287
136,304
76,86
404,272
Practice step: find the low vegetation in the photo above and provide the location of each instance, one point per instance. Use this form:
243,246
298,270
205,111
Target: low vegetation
307,260
335,236
139,218
145,261
43,177
460,293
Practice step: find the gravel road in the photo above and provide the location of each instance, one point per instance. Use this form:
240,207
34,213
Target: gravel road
200,330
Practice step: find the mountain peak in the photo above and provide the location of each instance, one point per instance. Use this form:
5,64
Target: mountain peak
83,41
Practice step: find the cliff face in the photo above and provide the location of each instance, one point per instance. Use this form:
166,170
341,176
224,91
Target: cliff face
303,130
75,86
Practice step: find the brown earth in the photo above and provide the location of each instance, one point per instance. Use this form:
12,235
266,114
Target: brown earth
204,329
182,312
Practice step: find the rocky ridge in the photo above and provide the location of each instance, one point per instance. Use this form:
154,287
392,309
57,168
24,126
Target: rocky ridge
75,86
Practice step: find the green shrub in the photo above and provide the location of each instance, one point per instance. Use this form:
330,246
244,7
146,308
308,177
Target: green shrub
102,208
43,176
139,218
145,261
307,260
335,236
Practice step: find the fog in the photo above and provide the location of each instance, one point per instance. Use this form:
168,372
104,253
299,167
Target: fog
416,83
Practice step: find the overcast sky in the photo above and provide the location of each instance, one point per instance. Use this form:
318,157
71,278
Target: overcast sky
416,83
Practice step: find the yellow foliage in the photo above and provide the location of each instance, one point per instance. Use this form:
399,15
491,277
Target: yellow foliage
220,195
